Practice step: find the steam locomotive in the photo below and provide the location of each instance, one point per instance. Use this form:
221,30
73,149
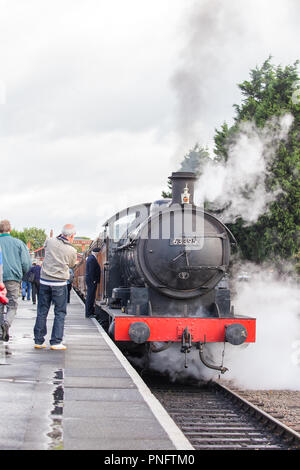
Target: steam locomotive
164,277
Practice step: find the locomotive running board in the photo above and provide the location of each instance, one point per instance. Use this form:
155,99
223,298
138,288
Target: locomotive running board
205,330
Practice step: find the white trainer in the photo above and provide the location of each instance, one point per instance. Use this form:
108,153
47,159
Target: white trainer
59,347
39,346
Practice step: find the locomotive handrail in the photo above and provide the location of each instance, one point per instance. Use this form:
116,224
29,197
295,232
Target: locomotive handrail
198,268
225,226
206,235
232,236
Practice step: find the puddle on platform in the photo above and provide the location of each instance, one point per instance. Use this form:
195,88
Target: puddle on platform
2,353
56,433
5,352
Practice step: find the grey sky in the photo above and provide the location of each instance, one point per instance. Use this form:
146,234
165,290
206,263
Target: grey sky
100,100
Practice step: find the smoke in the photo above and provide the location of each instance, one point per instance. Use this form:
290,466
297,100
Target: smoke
223,40
204,59
239,185
273,361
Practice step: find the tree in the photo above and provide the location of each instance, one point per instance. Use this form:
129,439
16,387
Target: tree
34,235
17,234
193,161
269,92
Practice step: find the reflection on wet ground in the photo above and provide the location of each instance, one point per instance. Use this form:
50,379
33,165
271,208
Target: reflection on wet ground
56,433
31,391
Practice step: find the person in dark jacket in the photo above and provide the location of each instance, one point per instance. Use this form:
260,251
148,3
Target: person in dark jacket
35,274
92,278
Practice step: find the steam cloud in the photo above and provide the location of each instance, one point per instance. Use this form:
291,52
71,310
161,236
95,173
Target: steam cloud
273,361
239,185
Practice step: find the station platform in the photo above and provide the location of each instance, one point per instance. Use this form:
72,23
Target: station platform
85,398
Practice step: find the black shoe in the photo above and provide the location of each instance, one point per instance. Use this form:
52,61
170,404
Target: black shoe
5,329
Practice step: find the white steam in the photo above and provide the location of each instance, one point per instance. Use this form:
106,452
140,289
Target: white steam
239,185
273,361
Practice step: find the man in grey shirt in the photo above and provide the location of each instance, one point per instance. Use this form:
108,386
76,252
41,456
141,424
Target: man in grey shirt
60,256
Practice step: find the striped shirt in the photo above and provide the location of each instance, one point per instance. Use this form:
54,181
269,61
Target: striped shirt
52,283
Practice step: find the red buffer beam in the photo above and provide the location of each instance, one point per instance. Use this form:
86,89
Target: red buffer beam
207,330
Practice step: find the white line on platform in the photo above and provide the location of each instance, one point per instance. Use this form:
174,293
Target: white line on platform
175,434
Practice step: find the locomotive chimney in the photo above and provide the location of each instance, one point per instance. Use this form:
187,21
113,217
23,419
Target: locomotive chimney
183,187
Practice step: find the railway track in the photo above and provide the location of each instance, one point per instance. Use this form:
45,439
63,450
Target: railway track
213,417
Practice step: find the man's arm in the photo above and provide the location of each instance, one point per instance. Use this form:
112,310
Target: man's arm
98,273
88,268
25,258
73,259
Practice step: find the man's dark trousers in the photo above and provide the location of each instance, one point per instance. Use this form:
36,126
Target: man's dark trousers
90,298
57,295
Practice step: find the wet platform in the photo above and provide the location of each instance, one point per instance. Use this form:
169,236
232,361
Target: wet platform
85,398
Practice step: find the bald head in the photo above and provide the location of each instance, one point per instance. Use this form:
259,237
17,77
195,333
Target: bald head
69,231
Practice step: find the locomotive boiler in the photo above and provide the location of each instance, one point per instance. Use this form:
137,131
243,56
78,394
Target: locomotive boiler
164,277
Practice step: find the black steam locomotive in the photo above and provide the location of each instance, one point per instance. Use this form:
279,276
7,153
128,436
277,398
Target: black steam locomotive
164,277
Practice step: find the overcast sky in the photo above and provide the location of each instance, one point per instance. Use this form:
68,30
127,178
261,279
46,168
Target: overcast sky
100,100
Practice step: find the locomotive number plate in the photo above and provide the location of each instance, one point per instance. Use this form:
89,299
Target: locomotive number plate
191,241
